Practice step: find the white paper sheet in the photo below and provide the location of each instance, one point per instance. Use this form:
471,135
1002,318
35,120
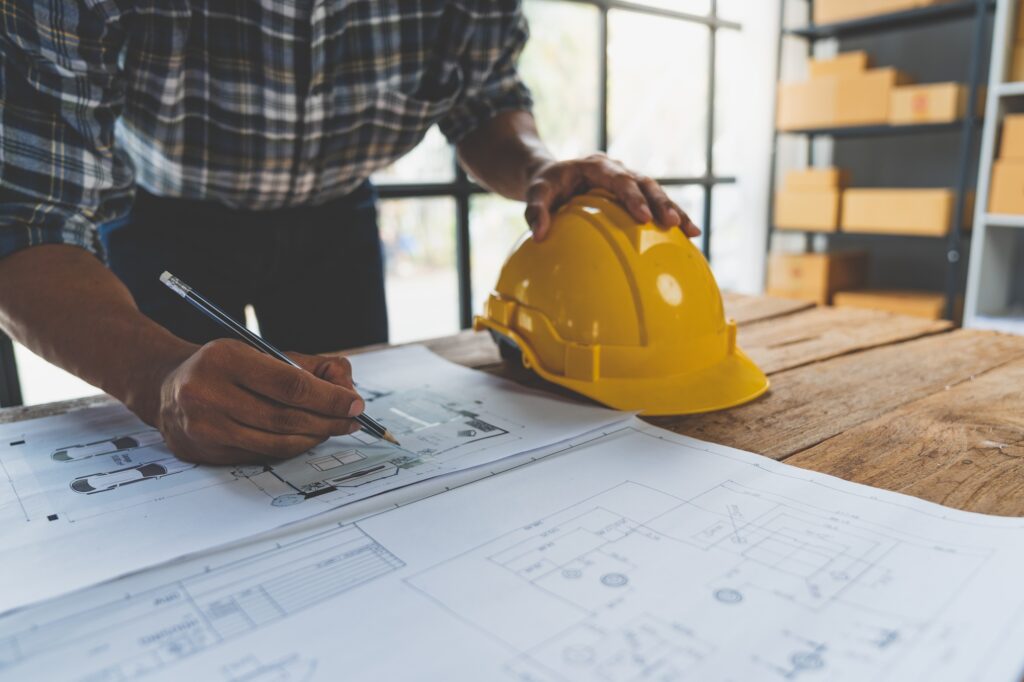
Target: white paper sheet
639,554
94,494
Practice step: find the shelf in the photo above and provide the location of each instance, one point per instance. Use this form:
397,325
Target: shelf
887,22
964,234
879,130
1010,89
1004,220
1010,323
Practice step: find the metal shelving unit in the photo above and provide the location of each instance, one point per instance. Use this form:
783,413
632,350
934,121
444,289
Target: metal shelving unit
997,237
966,128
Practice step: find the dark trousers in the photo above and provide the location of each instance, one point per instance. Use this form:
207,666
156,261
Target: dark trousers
314,275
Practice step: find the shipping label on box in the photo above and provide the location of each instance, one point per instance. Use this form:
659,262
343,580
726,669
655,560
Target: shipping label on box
933,103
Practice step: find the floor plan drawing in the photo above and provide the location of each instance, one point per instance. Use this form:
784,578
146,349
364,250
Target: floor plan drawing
633,555
128,636
72,486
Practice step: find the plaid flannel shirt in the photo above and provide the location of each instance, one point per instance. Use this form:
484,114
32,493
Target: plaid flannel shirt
256,104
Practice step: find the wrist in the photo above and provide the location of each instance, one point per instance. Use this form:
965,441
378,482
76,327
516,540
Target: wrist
143,386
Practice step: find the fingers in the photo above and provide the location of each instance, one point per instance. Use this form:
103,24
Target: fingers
258,413
604,173
665,211
275,380
539,198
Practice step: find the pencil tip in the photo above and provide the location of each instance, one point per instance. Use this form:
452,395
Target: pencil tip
391,439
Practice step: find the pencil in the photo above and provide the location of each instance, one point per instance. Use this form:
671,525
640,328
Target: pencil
208,308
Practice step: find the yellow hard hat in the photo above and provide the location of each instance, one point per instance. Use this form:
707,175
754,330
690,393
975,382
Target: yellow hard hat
629,315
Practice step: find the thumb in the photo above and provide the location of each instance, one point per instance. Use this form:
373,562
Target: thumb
334,369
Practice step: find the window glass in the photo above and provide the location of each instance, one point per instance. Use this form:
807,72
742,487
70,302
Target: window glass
732,10
729,97
701,7
496,225
42,382
691,199
418,236
729,238
658,89
431,161
560,65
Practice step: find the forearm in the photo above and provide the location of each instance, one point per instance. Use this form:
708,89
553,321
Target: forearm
63,304
505,153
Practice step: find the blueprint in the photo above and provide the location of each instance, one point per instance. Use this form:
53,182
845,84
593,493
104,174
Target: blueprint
632,554
96,489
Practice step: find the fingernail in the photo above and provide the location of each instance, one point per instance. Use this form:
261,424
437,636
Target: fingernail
356,408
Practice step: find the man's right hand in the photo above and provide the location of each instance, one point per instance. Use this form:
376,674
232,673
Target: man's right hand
229,403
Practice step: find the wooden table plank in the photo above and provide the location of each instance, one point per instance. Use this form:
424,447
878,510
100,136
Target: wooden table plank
962,448
811,404
821,333
745,308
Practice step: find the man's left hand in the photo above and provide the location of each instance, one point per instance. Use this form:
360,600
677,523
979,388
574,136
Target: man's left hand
556,183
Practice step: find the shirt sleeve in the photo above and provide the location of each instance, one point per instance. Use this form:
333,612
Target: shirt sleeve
494,85
61,91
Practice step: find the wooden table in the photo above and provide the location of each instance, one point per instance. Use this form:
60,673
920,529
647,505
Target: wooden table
895,402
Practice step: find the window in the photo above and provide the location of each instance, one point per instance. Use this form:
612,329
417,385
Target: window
653,82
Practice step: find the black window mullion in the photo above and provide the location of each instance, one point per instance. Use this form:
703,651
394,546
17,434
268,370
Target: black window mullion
463,249
602,78
709,131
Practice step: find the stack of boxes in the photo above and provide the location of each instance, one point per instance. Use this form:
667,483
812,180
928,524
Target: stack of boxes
1006,194
835,11
810,200
844,91
816,277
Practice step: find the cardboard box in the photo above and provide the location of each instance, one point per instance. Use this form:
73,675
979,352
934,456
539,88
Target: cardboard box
835,11
843,64
1006,192
934,103
927,304
1017,61
1012,144
925,212
810,104
864,99
811,179
811,210
815,276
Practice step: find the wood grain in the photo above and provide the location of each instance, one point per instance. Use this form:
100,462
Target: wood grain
820,333
963,447
745,309
811,404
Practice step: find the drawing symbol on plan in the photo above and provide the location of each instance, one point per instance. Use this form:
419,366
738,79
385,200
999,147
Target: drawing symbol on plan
430,426
699,587
109,446
126,636
110,480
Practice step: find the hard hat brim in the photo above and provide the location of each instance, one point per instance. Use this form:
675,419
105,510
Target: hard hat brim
732,382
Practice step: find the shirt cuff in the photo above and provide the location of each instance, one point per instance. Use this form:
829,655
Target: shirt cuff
472,113
16,235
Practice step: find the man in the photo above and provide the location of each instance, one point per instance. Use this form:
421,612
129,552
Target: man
231,143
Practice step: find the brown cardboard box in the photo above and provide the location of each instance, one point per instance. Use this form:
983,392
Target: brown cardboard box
1017,60
815,276
834,11
933,103
925,304
810,104
843,64
864,99
926,212
1006,194
810,179
814,210
1012,145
